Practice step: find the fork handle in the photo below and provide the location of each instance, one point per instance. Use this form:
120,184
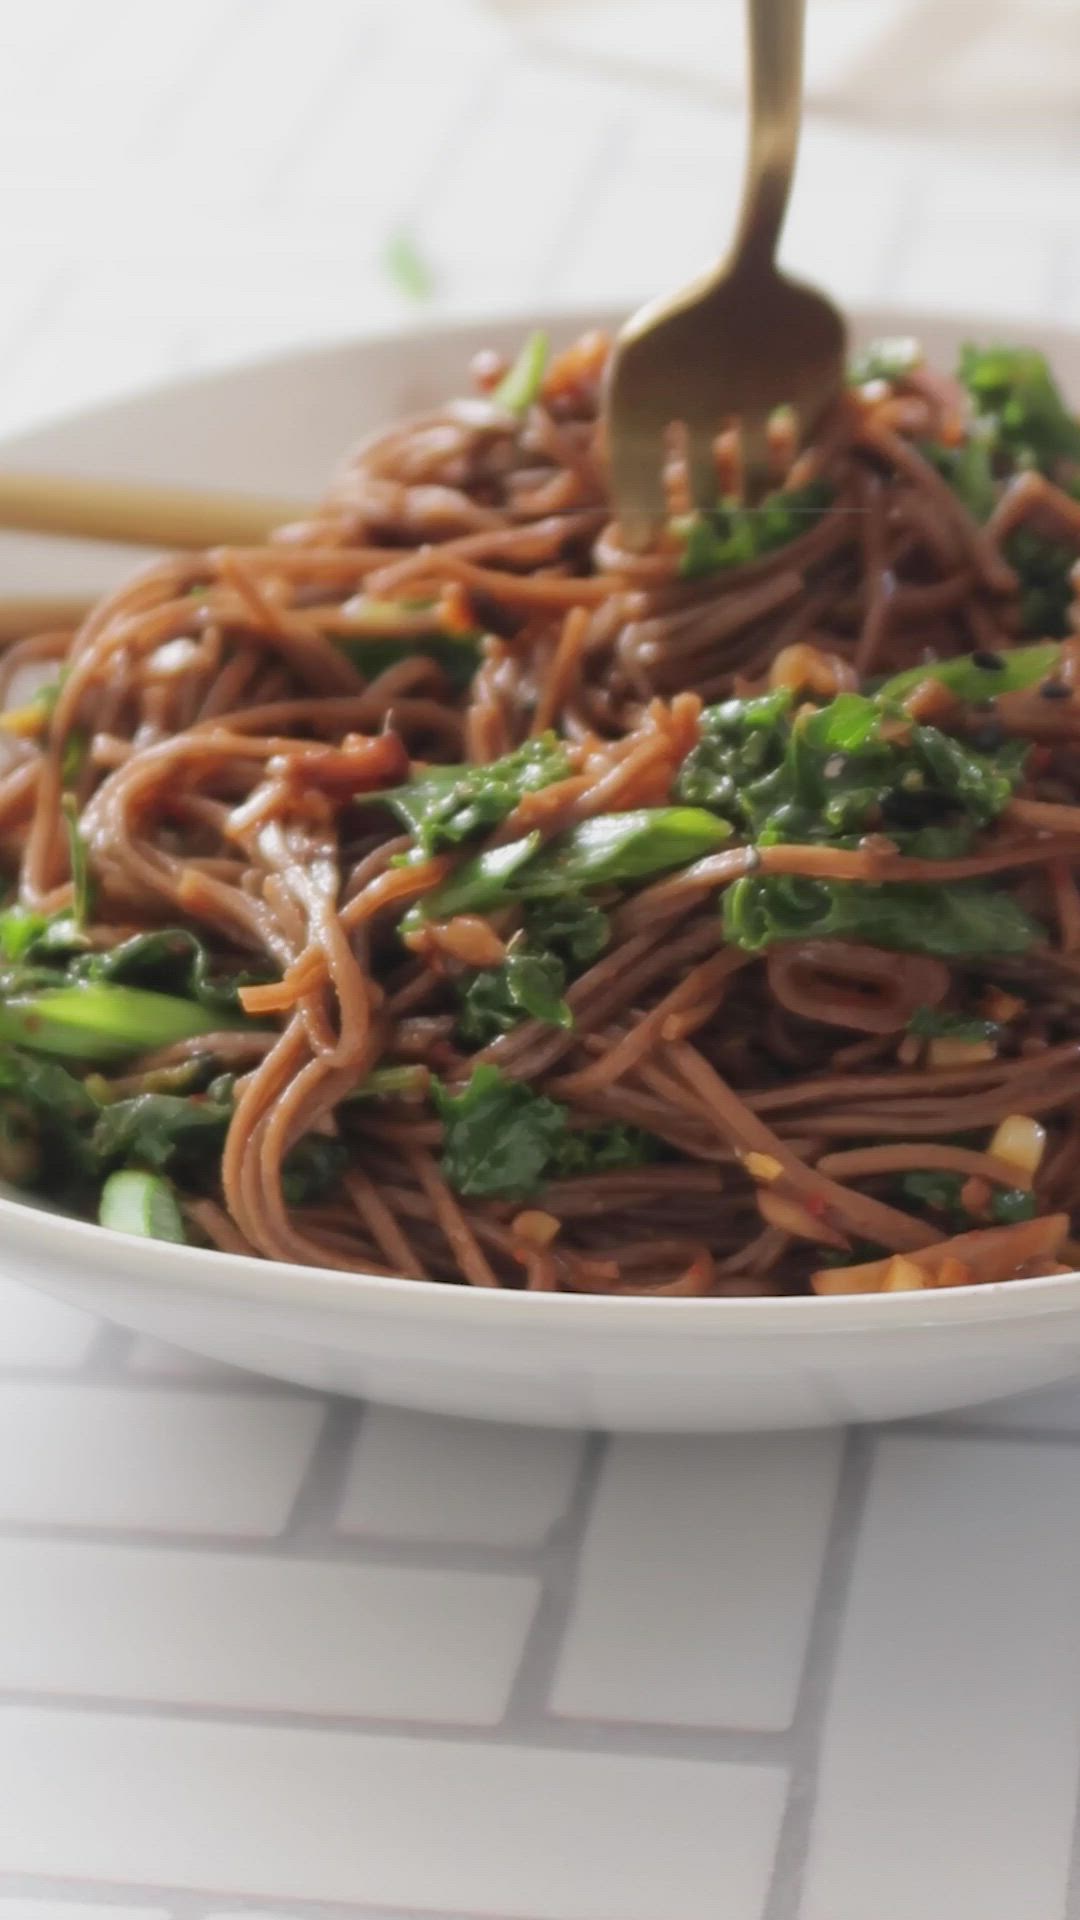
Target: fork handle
775,31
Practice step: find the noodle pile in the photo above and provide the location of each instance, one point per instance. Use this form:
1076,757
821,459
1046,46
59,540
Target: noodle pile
444,891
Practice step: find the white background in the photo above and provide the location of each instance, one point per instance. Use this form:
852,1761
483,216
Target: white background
181,184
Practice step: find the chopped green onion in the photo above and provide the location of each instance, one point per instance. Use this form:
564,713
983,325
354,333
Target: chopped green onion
80,866
521,384
407,268
98,1022
142,1204
972,676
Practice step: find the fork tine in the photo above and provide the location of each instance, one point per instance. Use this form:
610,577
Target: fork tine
756,459
637,478
701,467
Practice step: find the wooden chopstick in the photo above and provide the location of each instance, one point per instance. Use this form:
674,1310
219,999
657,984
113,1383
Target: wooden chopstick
132,514
42,613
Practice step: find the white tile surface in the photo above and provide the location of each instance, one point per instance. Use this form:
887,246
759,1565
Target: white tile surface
163,1362
36,1331
225,1631
698,1579
30,1909
97,1456
952,1743
419,1478
494,1830
1055,1411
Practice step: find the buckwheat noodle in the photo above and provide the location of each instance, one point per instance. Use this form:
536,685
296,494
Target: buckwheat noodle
231,729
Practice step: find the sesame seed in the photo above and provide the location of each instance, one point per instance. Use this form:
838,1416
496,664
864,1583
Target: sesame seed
986,661
1054,690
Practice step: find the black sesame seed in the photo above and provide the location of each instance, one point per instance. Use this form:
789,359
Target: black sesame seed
988,662
1055,690
988,739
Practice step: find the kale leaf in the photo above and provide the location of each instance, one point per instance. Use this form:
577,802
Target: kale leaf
457,654
969,471
610,849
1044,568
839,771
499,1138
448,805
312,1169
732,536
937,1023
503,1141
529,985
572,928
161,1130
48,1117
1015,397
172,960
966,920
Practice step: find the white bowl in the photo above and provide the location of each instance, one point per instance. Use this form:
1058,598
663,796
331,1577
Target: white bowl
557,1360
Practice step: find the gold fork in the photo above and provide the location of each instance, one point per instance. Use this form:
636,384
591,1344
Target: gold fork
741,340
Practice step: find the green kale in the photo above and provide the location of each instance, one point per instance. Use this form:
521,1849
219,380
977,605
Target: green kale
1015,398
602,1150
732,536
529,985
53,1117
934,1023
458,654
969,471
837,772
313,1168
499,1138
449,805
1008,1205
572,928
963,921
185,1136
611,849
1044,568
161,1130
938,1191
503,1141
171,960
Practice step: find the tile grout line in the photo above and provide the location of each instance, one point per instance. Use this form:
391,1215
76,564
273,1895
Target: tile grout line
613,1741
527,1707
189,1904
822,1647
318,1497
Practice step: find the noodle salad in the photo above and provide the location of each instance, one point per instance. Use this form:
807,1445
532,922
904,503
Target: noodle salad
444,891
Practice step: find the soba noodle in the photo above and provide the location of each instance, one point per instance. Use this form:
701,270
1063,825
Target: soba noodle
443,890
